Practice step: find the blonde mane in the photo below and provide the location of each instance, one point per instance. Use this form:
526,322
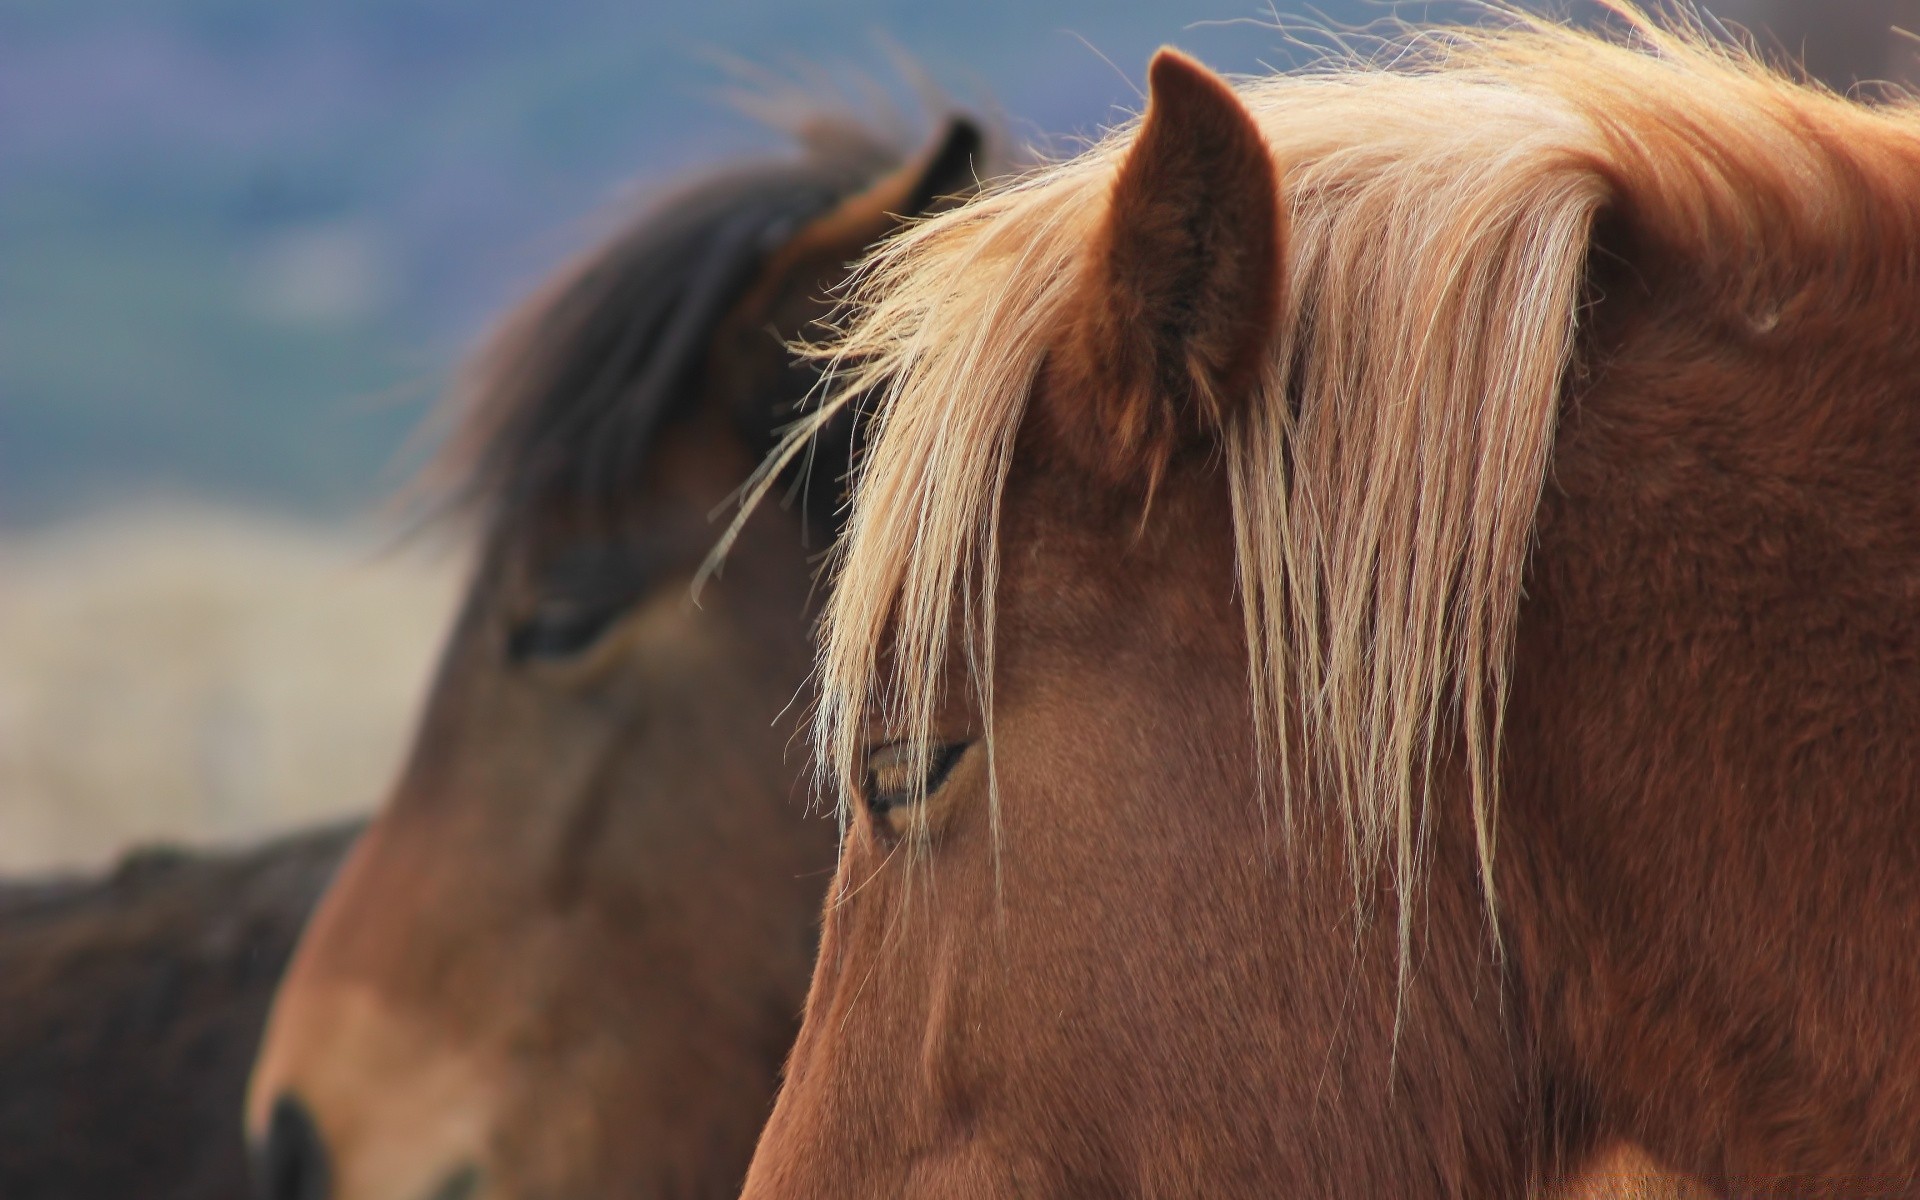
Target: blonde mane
1441,208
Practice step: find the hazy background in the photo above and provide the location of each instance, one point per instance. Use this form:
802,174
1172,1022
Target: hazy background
241,242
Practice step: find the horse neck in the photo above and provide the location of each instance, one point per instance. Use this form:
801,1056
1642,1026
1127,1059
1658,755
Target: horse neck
1714,737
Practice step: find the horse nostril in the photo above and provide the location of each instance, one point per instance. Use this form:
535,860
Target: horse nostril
293,1163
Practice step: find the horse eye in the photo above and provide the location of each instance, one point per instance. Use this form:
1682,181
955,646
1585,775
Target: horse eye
901,773
560,629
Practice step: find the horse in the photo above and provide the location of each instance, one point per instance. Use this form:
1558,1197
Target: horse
568,956
1375,652
130,1007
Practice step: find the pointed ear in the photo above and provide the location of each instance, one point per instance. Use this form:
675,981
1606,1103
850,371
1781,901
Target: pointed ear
793,284
1181,288
750,369
947,170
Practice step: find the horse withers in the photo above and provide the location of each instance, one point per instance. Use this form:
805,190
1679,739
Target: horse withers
1377,648
569,955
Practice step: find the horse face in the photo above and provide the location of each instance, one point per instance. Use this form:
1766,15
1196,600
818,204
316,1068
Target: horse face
1041,1005
571,948
567,957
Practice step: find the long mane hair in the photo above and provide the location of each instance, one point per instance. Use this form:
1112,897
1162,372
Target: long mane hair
1384,482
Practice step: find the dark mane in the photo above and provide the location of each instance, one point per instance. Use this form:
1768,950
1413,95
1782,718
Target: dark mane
559,407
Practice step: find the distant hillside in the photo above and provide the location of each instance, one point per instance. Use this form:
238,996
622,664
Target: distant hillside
191,674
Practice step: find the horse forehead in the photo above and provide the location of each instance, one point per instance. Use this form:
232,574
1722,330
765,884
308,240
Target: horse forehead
1085,556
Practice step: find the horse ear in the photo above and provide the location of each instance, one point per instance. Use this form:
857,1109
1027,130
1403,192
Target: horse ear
1182,284
945,172
753,373
816,257
948,171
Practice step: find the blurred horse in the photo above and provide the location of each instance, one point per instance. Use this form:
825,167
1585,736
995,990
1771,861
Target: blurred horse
568,957
130,1007
1377,647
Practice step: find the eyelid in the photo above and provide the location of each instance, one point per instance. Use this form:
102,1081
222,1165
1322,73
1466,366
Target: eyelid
935,761
893,754
578,598
563,629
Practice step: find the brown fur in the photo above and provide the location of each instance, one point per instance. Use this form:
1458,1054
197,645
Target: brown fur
568,957
130,1008
1719,660
1688,719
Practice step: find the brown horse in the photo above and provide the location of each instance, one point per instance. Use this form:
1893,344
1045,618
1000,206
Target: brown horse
1377,648
569,956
